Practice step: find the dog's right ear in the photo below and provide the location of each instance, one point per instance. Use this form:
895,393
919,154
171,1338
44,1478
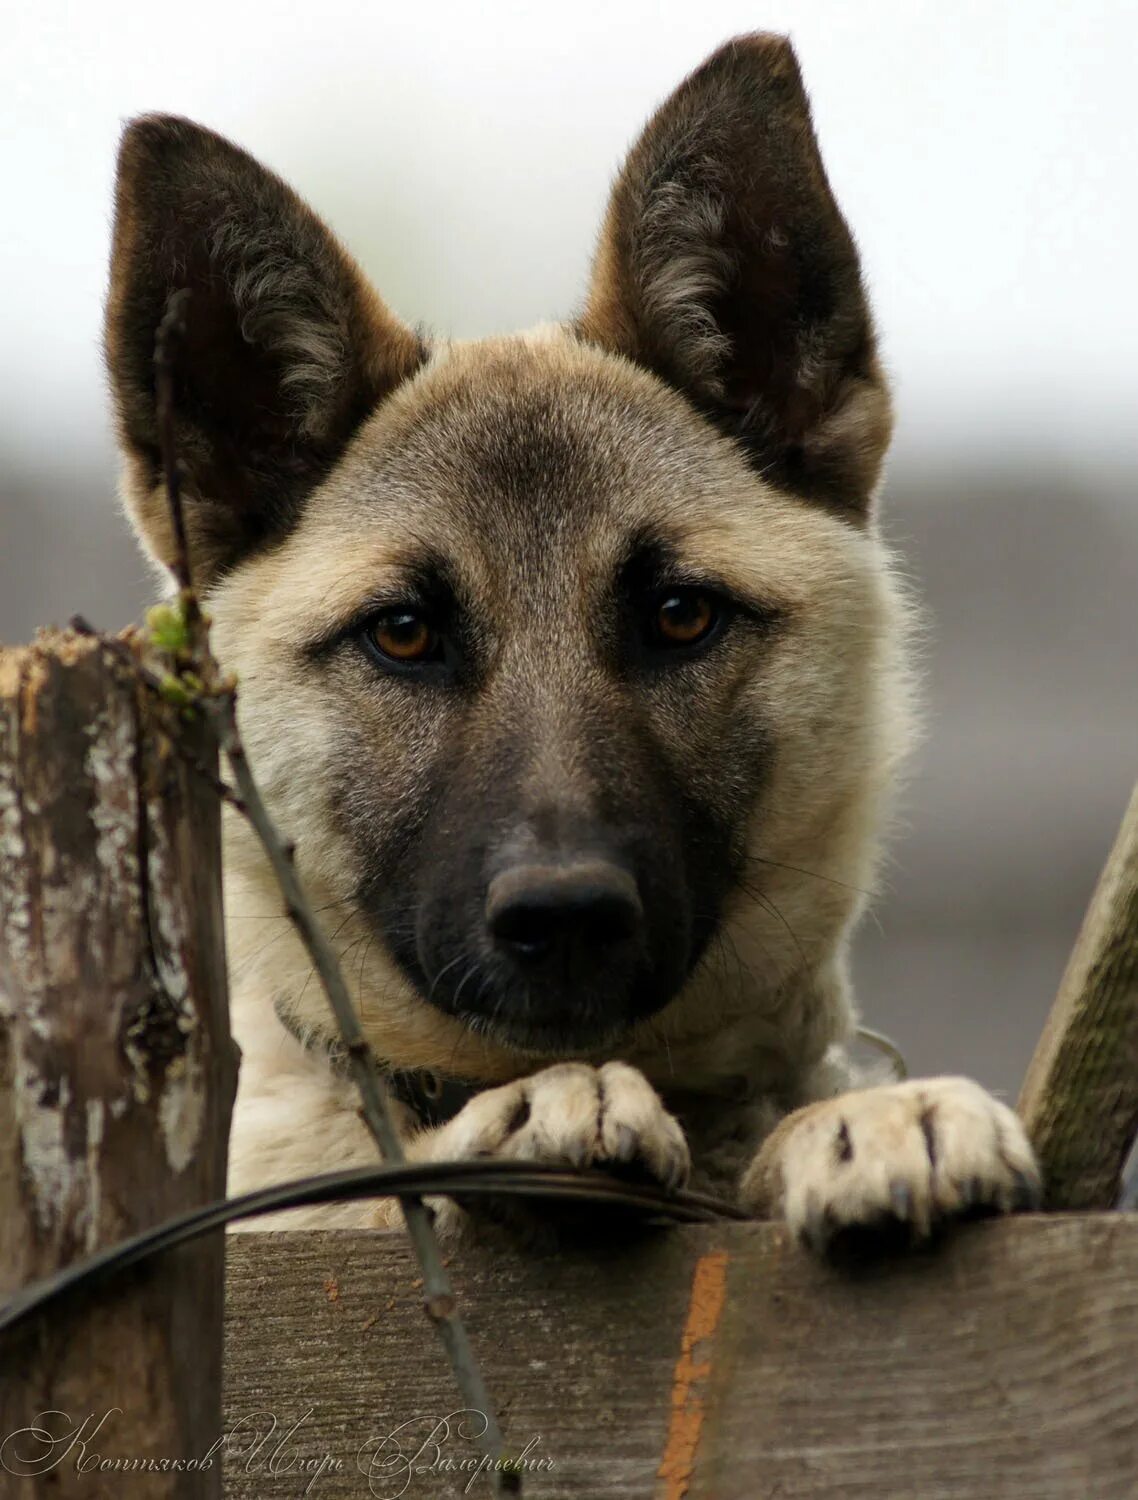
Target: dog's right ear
286,347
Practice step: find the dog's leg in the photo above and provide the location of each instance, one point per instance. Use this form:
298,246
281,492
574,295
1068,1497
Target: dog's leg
901,1156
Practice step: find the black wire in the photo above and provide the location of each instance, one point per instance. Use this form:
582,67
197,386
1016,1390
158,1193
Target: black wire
465,1179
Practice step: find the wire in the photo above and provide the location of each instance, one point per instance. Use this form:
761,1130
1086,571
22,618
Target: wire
465,1179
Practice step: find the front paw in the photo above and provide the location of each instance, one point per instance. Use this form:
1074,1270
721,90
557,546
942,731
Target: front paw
573,1115
902,1157
570,1115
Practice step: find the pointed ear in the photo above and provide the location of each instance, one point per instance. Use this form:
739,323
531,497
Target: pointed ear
725,266
286,347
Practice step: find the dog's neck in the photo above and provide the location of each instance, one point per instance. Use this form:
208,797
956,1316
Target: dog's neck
431,1096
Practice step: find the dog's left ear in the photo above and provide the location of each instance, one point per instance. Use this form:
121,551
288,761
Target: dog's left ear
725,266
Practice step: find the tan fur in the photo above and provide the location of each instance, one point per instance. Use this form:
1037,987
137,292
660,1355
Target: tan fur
532,464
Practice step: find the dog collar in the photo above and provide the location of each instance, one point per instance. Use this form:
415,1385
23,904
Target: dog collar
428,1094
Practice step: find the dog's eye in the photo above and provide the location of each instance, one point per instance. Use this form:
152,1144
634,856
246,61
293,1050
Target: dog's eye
403,637
684,617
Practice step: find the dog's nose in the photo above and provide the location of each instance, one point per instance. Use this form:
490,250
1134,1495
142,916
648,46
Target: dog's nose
543,911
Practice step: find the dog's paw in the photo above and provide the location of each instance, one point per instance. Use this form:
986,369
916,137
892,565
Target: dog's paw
573,1115
898,1159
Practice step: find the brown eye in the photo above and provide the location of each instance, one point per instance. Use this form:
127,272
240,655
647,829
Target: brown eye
684,617
403,636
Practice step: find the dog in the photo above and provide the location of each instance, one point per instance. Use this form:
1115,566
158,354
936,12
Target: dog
575,665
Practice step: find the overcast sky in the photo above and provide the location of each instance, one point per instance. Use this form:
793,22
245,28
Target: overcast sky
983,152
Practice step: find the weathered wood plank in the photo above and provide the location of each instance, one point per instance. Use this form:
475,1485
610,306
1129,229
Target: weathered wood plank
1003,1365
1080,1097
117,1073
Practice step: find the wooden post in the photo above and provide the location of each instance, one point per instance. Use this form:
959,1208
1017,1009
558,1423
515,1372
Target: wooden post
1080,1097
117,1074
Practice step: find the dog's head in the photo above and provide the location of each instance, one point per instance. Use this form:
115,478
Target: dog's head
554,650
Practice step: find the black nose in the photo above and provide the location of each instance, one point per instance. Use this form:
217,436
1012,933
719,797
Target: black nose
539,911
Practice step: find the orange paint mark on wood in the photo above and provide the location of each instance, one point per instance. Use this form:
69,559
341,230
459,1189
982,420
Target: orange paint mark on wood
685,1422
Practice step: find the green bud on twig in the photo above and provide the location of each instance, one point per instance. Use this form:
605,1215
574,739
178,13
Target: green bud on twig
166,624
175,691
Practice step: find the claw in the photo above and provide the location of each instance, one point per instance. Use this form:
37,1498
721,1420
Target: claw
818,1224
1027,1192
577,1152
901,1197
677,1173
626,1143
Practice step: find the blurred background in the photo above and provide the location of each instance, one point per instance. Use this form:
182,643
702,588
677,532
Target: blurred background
984,154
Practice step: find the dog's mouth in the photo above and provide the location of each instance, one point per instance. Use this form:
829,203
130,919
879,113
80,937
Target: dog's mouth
554,1015
536,1015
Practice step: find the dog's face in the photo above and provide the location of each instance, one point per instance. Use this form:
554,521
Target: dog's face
546,644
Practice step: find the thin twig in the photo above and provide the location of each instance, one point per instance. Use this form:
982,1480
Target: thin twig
217,697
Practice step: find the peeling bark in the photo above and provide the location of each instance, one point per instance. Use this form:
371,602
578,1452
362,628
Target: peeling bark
117,1070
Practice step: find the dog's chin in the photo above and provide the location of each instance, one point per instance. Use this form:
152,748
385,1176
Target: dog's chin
545,1038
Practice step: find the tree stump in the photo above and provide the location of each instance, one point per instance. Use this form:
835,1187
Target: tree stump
117,1073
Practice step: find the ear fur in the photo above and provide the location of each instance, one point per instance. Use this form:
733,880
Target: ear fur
725,266
286,348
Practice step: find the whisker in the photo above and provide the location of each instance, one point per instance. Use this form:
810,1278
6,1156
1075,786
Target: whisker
470,973
446,968
280,916
342,957
760,859
360,996
768,905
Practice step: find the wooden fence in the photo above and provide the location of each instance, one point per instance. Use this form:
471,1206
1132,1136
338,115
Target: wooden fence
717,1362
